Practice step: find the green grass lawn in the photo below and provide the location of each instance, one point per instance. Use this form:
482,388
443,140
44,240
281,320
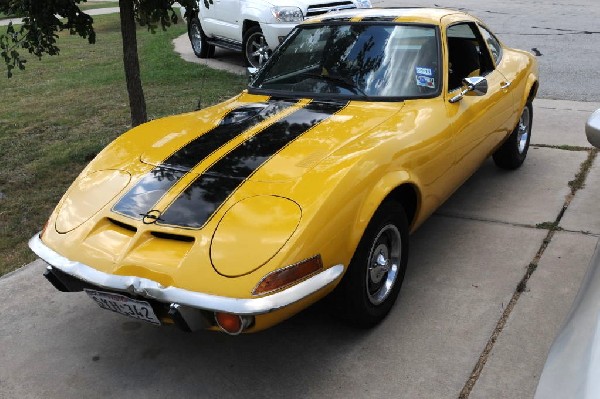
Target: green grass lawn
98,4
61,111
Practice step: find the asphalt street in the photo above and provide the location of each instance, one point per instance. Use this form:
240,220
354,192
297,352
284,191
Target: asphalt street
486,290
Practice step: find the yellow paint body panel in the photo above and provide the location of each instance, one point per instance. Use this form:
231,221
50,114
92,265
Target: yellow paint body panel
257,227
88,195
314,196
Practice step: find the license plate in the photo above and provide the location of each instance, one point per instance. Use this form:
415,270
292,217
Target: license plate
121,304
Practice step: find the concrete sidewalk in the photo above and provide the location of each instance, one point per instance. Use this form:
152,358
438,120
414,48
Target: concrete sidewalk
465,266
96,11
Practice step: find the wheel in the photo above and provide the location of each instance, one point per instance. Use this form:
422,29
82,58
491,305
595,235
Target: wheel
200,45
256,49
375,274
514,150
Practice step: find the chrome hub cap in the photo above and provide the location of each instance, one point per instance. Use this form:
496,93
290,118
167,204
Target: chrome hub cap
383,264
523,130
257,50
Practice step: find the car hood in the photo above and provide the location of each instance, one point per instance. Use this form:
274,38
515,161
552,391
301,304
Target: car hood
274,140
206,182
193,173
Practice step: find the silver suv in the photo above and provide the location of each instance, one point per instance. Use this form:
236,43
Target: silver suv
254,27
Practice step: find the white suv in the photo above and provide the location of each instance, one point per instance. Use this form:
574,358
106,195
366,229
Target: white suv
254,27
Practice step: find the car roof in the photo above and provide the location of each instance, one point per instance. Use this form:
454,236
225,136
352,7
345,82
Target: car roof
401,14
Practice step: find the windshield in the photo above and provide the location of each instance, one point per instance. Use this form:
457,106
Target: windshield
355,60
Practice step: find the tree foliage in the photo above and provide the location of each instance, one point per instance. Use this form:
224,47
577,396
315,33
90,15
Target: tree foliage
44,19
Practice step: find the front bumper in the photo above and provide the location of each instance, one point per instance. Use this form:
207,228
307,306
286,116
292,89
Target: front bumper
274,33
180,297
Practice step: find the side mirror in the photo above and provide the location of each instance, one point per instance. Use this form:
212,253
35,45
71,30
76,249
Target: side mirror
475,86
592,129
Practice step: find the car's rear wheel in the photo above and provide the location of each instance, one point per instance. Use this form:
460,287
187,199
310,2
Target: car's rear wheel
375,274
514,150
200,45
256,49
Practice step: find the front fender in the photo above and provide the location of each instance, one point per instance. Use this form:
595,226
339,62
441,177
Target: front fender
253,13
379,192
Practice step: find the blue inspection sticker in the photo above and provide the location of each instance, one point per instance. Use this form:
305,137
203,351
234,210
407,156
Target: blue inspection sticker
426,81
424,71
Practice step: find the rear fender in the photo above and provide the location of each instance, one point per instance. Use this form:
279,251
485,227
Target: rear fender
531,88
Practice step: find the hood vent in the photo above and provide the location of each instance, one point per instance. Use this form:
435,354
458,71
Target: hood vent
157,234
123,225
175,237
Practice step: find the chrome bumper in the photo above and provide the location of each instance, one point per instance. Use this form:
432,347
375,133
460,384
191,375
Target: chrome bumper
172,295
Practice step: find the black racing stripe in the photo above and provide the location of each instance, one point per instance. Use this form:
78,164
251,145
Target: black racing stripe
142,197
235,122
206,194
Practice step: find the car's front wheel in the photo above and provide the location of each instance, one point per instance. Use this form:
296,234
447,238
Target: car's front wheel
514,150
375,274
256,49
200,45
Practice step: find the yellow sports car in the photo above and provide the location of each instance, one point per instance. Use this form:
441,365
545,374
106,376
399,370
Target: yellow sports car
240,215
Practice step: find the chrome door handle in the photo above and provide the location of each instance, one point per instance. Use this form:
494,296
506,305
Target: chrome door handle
505,85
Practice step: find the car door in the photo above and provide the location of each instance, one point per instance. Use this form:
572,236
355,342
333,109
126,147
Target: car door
479,122
227,15
208,18
502,65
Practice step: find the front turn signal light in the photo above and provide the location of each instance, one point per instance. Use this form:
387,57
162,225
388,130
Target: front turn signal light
233,324
282,278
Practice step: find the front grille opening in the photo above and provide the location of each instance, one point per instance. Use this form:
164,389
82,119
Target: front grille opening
175,237
319,9
332,4
123,225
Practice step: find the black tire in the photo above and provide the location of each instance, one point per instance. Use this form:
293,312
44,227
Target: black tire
513,151
255,48
362,298
200,45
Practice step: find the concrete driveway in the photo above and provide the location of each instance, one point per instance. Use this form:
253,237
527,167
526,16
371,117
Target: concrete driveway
488,285
461,324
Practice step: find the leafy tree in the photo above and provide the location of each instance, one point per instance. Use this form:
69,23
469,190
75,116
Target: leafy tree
43,19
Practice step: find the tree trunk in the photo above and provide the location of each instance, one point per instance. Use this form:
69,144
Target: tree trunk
137,103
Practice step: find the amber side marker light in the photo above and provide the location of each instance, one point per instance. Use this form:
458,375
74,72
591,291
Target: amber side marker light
285,277
232,324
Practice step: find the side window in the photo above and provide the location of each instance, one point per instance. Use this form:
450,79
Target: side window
493,44
467,54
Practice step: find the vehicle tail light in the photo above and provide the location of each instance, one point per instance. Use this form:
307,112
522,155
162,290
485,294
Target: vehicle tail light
281,278
232,324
